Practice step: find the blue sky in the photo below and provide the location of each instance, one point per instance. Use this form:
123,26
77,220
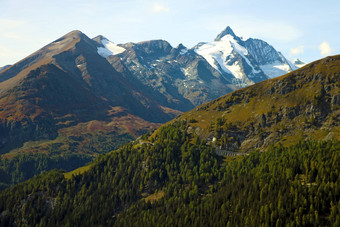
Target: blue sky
308,30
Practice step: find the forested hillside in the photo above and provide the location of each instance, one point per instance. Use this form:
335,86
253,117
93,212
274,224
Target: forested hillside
177,180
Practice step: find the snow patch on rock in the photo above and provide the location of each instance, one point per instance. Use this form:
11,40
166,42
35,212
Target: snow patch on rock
109,49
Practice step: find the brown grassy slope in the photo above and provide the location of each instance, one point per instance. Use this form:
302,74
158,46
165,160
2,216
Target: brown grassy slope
16,72
49,103
90,137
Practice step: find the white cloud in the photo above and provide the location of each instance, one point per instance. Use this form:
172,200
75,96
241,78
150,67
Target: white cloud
158,8
325,48
297,50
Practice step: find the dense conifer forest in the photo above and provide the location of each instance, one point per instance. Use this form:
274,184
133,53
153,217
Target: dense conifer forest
177,180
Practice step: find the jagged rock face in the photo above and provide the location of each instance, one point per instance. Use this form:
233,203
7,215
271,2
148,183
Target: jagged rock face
183,78
226,31
262,52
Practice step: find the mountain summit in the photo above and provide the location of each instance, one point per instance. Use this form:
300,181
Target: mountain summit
298,63
226,31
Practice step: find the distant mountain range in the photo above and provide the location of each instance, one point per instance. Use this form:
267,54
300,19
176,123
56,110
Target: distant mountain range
87,96
76,79
190,77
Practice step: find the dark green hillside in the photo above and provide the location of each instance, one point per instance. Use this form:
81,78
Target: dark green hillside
294,186
177,180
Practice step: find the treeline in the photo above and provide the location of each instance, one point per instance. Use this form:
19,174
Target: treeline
177,180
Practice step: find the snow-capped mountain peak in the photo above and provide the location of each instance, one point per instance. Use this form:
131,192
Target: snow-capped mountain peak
228,55
244,62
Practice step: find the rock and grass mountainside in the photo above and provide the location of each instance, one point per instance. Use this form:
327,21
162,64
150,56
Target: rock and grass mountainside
177,176
302,104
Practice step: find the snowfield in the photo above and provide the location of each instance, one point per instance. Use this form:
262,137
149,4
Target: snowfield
109,49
